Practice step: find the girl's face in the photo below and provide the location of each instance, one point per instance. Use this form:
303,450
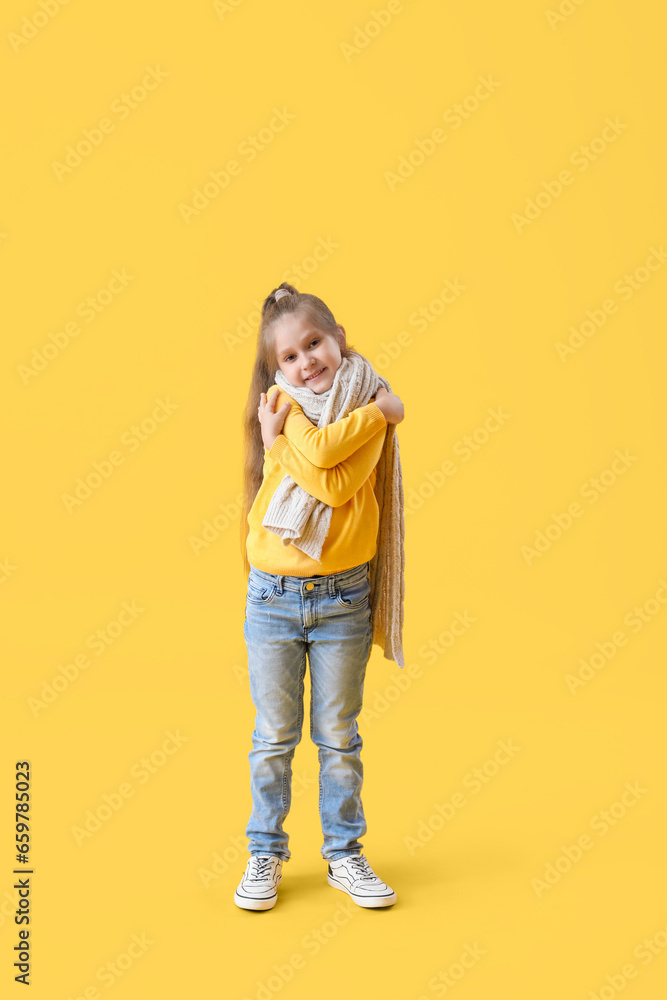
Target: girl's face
305,355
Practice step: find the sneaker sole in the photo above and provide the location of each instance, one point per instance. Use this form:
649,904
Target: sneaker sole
367,901
248,903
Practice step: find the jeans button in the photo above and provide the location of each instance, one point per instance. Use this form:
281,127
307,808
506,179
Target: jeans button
309,586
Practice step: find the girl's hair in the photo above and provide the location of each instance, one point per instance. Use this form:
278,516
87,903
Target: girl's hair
263,377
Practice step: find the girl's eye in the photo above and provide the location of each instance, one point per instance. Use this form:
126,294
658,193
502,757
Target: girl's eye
290,356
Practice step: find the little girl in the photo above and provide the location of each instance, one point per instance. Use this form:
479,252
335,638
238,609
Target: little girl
322,535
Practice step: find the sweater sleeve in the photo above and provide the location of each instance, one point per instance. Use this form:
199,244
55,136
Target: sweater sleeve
327,446
332,486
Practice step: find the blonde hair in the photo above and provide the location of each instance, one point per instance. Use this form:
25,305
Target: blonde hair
263,377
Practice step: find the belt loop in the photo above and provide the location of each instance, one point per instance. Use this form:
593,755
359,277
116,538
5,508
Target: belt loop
332,585
279,584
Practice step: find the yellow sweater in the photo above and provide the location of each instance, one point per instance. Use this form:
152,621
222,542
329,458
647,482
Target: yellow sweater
335,463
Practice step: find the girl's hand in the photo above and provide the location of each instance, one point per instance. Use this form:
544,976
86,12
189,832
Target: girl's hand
391,405
272,423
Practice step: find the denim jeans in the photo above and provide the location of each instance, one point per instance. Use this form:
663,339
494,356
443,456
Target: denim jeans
328,618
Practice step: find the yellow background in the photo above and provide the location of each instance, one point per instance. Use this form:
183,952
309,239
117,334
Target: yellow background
173,334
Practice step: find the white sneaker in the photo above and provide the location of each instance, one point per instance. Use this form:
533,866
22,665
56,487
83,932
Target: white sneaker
258,889
355,876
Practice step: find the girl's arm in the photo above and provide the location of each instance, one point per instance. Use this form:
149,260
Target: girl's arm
332,486
328,446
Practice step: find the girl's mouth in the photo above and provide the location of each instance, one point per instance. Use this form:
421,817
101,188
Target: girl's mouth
311,378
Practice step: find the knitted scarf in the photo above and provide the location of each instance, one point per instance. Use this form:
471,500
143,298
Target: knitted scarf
303,521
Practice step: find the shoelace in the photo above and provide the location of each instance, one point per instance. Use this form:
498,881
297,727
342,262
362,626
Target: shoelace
260,868
363,868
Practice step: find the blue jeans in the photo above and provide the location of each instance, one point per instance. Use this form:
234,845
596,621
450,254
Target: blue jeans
328,617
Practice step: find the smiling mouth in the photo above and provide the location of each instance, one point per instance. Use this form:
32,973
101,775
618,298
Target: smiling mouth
311,378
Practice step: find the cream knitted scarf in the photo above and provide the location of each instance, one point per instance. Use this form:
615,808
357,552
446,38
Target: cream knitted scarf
303,521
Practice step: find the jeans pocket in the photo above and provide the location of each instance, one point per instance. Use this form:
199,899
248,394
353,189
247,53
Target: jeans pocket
261,593
355,594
